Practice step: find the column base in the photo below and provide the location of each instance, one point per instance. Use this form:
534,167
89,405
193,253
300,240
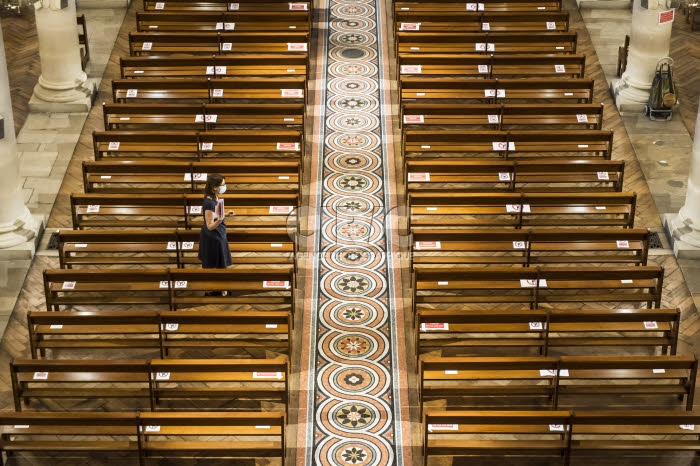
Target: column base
683,237
627,98
78,100
21,242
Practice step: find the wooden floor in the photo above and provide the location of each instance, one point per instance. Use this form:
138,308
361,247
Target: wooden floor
19,40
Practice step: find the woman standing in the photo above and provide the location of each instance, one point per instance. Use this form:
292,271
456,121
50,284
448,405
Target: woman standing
213,243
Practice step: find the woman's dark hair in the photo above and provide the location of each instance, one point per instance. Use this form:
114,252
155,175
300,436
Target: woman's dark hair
214,180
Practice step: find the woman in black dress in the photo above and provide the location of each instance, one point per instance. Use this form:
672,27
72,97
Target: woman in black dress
213,243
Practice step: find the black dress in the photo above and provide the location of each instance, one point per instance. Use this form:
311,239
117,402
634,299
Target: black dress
213,244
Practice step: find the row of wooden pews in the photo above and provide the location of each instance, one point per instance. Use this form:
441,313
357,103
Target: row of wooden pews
531,286
132,323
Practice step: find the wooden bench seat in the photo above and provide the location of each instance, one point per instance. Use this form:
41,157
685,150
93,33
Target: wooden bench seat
488,6
466,288
509,144
144,434
511,434
223,5
216,66
473,65
155,384
437,209
417,88
561,436
275,90
165,332
248,21
83,41
169,289
553,43
175,247
501,116
529,247
544,330
171,176
253,210
511,176
195,145
449,20
217,42
468,382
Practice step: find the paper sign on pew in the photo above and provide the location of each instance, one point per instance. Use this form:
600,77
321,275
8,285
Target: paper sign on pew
216,70
164,284
209,118
270,325
226,26
288,146
518,207
267,375
434,427
529,283
432,326
484,47
411,69
582,118
556,427
297,47
196,209
559,69
171,326
417,177
233,7
651,325
622,244
162,375
68,286
485,27
226,46
206,146
298,7
502,145
409,27
276,284
281,209
132,92
93,208
503,176
551,25
147,46
519,244
41,375
180,284
687,426
494,119
537,325
159,5
658,371
553,372
451,372
292,92
217,92
196,176
475,7
420,245
603,176
483,69
413,119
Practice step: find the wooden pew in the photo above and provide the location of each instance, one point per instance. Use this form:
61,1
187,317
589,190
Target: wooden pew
473,65
539,246
510,176
49,436
83,40
508,144
416,88
501,116
208,43
169,289
438,209
468,382
542,330
554,43
276,90
477,21
121,333
172,176
153,384
559,435
488,6
468,288
223,5
253,210
177,248
217,66
537,435
248,21
196,145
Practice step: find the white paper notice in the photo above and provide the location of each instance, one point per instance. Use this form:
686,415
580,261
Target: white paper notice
187,245
270,325
41,375
113,146
432,326
556,427
162,375
281,209
276,284
548,372
485,27
206,146
299,7
172,327
152,429
687,426
559,69
483,68
411,69
297,47
409,27
93,208
551,25
415,177
233,6
651,325
504,176
451,372
132,92
502,145
518,207
494,119
226,46
413,119
622,244
147,46
288,146
434,427
217,92
443,283
267,375
536,325
163,284
603,176
159,5
56,326
658,371
180,284
519,244
420,245
531,283
472,6
196,209
292,92
582,118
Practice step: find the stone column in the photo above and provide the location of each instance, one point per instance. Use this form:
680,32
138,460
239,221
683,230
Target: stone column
649,41
17,226
683,228
62,84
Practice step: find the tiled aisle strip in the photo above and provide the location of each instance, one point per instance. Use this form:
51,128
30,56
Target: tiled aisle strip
355,344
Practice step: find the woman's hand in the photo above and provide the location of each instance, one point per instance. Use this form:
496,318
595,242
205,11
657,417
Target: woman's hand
230,213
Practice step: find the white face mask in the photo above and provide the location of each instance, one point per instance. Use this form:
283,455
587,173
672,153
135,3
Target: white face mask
222,189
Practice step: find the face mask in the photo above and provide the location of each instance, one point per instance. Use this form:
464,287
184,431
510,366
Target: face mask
222,189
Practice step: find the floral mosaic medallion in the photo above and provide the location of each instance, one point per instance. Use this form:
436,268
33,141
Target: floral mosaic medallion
353,408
